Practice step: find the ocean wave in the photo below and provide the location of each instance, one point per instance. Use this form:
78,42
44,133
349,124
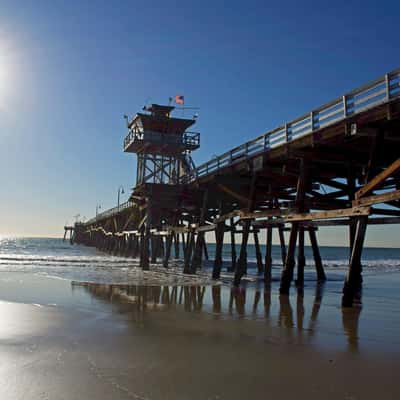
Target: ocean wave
28,258
108,261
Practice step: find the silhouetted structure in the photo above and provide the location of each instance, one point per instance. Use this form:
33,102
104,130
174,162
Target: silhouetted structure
332,166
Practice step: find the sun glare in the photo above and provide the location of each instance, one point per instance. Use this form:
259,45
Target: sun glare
3,72
6,66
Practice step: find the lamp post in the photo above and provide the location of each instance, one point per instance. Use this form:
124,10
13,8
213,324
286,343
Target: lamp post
98,207
120,191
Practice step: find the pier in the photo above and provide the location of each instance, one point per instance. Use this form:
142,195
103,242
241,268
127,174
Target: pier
337,165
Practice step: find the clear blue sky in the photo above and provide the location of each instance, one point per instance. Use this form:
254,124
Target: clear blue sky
69,70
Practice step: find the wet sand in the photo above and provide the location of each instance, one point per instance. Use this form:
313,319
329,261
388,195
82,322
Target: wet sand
66,340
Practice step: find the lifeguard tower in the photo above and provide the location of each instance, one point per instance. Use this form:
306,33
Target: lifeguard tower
163,146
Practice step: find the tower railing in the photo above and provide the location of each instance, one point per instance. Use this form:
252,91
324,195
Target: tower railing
189,140
373,94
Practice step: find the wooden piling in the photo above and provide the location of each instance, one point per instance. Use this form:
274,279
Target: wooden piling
205,250
353,283
268,257
145,242
260,266
154,248
317,257
241,266
232,267
176,243
301,259
282,244
183,244
219,243
168,246
287,273
198,251
188,254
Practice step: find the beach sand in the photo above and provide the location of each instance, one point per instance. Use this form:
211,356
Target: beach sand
66,340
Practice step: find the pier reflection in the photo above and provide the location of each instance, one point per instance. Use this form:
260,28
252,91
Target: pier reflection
297,323
350,319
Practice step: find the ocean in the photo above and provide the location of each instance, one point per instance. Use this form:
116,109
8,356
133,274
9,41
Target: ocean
58,258
79,323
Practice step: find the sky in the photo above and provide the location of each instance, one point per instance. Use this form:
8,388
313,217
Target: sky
70,70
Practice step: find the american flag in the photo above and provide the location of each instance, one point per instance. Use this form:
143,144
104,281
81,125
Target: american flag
179,99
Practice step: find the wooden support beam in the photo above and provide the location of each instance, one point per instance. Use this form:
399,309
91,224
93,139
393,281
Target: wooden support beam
347,221
241,266
115,224
268,257
206,228
219,242
190,241
168,245
287,273
353,282
260,266
145,241
233,248
154,248
282,243
183,244
224,217
377,198
198,251
129,219
234,194
330,214
317,257
205,248
301,259
378,180
260,214
384,211
177,245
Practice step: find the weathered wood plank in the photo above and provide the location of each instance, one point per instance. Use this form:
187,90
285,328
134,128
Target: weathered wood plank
234,194
377,198
376,181
344,212
260,214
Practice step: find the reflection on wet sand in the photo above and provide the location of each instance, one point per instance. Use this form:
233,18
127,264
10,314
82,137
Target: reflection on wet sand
236,303
350,319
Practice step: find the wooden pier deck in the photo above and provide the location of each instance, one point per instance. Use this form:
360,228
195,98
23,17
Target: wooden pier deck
337,165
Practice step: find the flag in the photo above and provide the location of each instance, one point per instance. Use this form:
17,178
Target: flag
179,99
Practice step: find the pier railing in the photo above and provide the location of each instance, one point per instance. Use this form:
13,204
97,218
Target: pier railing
110,212
368,96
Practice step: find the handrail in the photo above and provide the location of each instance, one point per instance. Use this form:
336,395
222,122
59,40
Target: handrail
372,94
110,212
186,139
